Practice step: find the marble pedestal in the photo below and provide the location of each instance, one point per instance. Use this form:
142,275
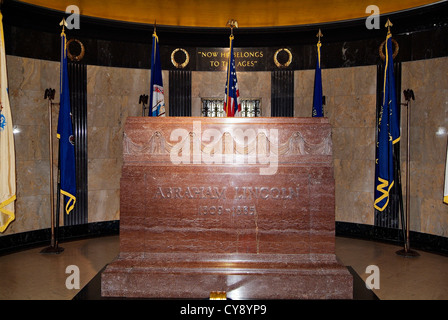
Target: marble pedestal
244,206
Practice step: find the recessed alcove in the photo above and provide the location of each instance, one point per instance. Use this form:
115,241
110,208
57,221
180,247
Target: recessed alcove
117,61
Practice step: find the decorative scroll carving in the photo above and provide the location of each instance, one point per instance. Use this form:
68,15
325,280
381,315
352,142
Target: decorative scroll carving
297,144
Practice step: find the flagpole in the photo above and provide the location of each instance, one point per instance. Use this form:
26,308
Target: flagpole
407,252
53,248
408,94
317,110
156,92
58,202
49,93
231,24
228,71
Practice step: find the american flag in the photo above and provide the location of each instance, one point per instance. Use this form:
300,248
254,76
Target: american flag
232,105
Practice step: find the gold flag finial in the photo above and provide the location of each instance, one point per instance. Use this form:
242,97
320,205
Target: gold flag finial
232,24
319,34
388,25
63,23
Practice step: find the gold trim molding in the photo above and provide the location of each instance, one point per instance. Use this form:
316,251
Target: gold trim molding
250,13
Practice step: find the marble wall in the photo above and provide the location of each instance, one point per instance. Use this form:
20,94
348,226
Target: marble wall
350,106
428,143
112,96
28,79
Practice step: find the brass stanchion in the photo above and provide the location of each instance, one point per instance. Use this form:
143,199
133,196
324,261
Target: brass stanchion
407,252
143,100
53,248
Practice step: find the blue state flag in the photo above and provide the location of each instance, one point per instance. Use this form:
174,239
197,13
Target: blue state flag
65,135
232,105
156,96
388,133
318,110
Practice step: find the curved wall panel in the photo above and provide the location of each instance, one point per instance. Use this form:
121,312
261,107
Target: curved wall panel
117,61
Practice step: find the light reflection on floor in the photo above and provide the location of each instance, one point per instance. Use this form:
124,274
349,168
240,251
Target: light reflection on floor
30,275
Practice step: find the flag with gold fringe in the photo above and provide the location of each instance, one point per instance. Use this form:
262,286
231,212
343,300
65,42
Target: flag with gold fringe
65,135
445,189
317,96
232,105
156,94
7,153
388,133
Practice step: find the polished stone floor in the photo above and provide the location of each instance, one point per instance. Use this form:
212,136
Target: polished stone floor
31,275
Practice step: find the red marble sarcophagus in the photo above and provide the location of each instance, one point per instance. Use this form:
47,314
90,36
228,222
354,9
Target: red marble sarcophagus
241,205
